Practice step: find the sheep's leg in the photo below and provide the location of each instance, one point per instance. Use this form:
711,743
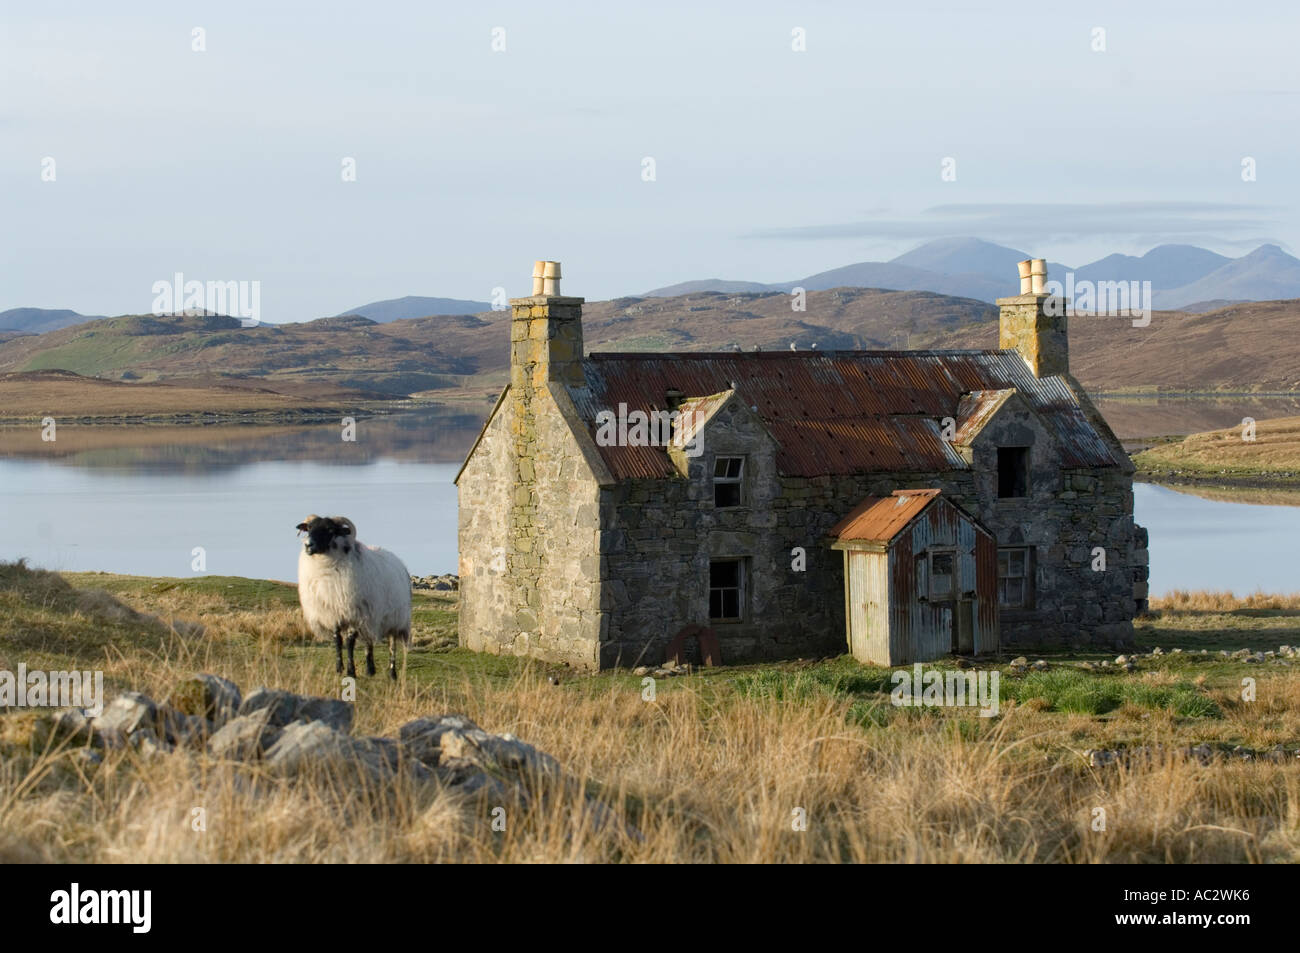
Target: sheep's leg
392,655
338,649
352,644
370,658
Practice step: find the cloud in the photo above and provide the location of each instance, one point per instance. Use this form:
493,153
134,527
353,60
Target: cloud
1033,223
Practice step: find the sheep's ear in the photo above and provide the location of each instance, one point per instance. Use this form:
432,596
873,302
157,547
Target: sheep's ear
301,527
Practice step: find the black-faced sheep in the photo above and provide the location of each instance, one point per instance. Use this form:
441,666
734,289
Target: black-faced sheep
347,587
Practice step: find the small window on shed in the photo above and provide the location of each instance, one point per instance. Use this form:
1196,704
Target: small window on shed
726,590
728,473
1013,471
942,571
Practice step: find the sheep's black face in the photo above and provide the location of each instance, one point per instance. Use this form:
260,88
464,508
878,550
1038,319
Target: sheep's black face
322,531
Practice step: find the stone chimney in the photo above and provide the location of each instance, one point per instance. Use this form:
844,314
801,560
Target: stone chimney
545,334
1033,323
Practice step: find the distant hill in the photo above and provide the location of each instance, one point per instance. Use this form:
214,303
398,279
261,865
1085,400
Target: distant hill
970,256
40,320
396,309
1165,266
1180,275
1245,347
1268,273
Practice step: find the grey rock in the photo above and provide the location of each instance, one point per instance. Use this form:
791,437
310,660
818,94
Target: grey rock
147,743
207,696
244,738
422,738
1039,666
285,708
179,728
311,745
335,713
500,754
280,705
126,714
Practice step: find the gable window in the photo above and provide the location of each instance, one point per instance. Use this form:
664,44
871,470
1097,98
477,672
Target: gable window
728,472
942,576
726,590
1015,577
1013,471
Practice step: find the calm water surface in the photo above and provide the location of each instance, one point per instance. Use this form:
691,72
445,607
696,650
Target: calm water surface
144,512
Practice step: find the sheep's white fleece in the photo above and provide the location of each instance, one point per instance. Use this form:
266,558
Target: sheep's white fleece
367,589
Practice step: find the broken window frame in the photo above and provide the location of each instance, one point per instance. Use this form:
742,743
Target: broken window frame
728,481
739,591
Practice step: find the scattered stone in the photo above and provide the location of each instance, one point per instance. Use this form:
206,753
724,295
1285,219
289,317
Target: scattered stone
1157,651
286,708
126,714
178,728
244,738
1121,660
295,736
314,745
206,696
423,737
1039,665
641,670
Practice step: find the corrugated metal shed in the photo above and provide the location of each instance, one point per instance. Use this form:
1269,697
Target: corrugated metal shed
893,612
839,412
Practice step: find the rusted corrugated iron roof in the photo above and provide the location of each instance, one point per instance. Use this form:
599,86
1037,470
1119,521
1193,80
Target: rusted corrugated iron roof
879,519
975,410
838,412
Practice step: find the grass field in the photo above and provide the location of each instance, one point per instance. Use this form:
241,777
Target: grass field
1273,454
715,768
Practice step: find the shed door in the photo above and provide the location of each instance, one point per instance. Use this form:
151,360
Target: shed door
963,635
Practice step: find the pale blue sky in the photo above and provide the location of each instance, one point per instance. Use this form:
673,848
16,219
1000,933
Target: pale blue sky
771,164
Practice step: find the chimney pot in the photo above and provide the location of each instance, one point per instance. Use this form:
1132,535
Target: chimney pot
546,278
1038,276
1023,267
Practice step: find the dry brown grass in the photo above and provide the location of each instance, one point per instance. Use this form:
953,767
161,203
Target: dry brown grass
706,772
1215,601
1275,449
702,785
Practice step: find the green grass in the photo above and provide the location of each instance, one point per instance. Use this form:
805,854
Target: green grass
1073,690
44,618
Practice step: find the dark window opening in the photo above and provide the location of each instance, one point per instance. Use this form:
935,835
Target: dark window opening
942,568
726,590
1013,471
728,474
1015,577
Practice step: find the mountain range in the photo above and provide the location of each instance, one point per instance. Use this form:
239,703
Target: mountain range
1182,276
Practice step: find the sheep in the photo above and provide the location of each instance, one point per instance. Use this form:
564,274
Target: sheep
347,586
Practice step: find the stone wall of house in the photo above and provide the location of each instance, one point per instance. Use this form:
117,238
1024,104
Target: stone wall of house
529,530
660,535
529,561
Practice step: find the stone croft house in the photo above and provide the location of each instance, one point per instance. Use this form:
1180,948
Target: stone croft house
589,538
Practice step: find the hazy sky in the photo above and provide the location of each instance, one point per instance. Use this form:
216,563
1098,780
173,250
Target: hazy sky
770,164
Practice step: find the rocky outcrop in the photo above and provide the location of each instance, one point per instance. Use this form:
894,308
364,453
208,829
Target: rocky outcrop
294,737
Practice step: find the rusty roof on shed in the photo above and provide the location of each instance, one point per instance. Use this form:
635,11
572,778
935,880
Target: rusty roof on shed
838,412
878,519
